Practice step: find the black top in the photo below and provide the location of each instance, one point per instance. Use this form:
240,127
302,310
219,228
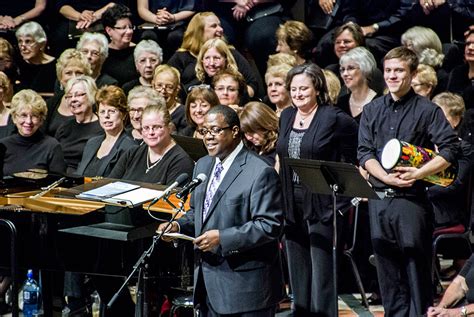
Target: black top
120,64
178,117
54,119
38,151
40,77
133,165
186,64
343,103
73,137
173,6
413,119
130,85
105,79
15,8
460,83
93,166
331,136
388,14
467,272
8,129
81,5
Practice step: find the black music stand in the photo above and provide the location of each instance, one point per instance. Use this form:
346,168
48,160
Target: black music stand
193,146
335,179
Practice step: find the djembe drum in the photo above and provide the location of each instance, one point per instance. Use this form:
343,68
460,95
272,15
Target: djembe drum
400,153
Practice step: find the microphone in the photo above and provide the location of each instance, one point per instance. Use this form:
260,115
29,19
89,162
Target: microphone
189,187
178,182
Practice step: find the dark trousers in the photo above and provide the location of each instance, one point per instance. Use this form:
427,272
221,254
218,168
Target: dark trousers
309,251
401,230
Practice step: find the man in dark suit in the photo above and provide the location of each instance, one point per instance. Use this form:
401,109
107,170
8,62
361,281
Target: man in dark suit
236,217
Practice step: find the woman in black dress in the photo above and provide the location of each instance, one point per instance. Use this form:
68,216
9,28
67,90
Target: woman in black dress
311,129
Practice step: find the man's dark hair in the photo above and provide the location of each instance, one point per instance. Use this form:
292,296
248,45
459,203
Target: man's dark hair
230,116
115,13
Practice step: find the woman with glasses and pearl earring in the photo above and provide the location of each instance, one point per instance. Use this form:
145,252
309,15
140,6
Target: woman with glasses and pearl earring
311,129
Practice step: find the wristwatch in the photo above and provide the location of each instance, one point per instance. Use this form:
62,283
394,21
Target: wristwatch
463,311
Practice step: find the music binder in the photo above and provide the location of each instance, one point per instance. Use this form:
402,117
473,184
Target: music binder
121,193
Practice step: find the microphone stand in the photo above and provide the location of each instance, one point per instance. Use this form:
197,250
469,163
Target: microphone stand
141,308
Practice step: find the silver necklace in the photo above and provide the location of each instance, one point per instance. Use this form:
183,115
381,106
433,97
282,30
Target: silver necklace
148,159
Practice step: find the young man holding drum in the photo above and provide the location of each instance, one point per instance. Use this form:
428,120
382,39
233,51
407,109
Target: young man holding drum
401,223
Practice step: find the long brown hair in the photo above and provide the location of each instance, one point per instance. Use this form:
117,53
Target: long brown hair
258,117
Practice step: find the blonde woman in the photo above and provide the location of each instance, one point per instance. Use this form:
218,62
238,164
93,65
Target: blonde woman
203,27
6,124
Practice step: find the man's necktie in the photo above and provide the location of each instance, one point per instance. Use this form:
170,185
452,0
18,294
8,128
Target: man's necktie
212,189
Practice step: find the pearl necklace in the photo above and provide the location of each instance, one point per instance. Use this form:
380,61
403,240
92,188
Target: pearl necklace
301,123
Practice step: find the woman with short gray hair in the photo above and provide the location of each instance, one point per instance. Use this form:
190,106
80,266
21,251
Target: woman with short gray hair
95,47
357,68
147,55
37,69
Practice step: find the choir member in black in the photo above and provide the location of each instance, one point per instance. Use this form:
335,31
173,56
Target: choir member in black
37,69
102,152
312,129
458,299
259,123
401,223
166,81
95,47
160,159
461,77
138,99
70,64
6,123
148,55
200,99
203,27
118,25
30,148
171,16
74,133
356,68
215,55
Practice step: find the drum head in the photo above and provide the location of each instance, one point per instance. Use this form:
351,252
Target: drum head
391,153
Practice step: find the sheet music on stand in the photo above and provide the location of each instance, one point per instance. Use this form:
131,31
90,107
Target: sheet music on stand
121,193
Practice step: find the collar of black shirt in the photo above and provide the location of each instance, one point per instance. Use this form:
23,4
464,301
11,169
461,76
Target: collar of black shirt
394,103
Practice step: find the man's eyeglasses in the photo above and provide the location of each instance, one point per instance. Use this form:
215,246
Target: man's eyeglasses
215,131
